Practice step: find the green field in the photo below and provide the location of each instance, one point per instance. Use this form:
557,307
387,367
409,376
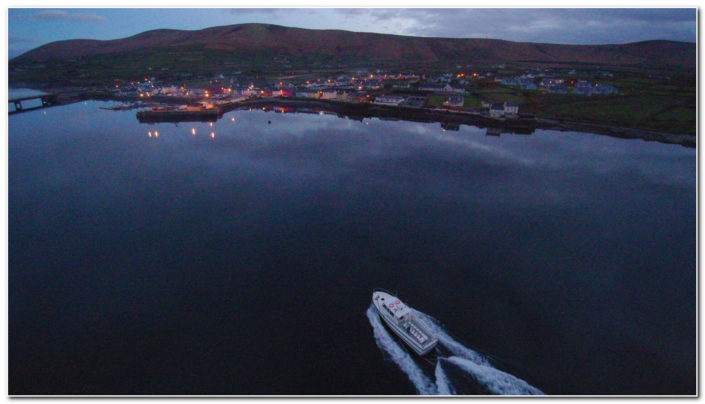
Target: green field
644,103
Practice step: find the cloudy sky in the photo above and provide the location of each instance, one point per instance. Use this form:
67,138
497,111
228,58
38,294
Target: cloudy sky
32,27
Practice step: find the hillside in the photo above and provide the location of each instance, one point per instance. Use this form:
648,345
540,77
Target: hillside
260,43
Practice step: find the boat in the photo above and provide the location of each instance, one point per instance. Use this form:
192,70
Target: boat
402,321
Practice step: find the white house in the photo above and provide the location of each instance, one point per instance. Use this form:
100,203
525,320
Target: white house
497,110
388,100
511,108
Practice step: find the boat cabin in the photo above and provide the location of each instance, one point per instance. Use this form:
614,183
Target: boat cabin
398,310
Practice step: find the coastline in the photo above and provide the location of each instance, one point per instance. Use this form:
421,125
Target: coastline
360,111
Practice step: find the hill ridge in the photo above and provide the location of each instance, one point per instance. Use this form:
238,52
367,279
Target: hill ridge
279,40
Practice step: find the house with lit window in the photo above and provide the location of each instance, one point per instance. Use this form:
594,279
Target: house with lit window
454,101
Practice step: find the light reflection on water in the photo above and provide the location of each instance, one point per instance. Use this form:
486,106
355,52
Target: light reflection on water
195,259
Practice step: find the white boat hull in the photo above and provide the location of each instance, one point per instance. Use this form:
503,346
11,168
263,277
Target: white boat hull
400,319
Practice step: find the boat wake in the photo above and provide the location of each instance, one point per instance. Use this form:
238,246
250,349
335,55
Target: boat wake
460,371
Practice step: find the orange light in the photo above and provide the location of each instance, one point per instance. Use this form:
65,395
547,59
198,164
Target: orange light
193,131
212,135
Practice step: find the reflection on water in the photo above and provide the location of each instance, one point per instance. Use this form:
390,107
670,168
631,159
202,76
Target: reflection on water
239,258
447,121
24,92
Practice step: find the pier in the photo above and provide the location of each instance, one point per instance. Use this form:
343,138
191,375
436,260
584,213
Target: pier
46,99
179,115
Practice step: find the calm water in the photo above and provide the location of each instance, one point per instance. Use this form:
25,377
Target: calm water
244,263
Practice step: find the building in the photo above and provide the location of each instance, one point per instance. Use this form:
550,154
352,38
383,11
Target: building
508,81
432,87
306,94
551,81
443,88
358,96
451,88
454,101
284,92
327,94
373,84
389,100
345,95
497,110
511,109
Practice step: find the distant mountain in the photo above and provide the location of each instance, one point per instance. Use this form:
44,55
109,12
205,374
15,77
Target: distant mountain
268,41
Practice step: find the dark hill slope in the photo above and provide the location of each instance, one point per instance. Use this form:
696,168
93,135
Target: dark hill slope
284,41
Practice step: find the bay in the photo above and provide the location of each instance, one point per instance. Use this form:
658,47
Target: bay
146,259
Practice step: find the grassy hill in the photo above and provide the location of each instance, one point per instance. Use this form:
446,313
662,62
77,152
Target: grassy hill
266,47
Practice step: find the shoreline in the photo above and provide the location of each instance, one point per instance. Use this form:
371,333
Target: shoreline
360,111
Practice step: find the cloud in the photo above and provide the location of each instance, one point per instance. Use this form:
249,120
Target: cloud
578,25
62,15
242,11
13,39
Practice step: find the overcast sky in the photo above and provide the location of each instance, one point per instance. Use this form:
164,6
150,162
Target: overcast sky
29,28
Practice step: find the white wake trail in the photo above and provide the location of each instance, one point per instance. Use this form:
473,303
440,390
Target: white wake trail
398,355
464,358
442,382
449,342
495,380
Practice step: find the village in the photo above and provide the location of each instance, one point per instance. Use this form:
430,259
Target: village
459,92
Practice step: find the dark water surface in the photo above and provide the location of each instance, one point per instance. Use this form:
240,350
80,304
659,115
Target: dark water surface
245,263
